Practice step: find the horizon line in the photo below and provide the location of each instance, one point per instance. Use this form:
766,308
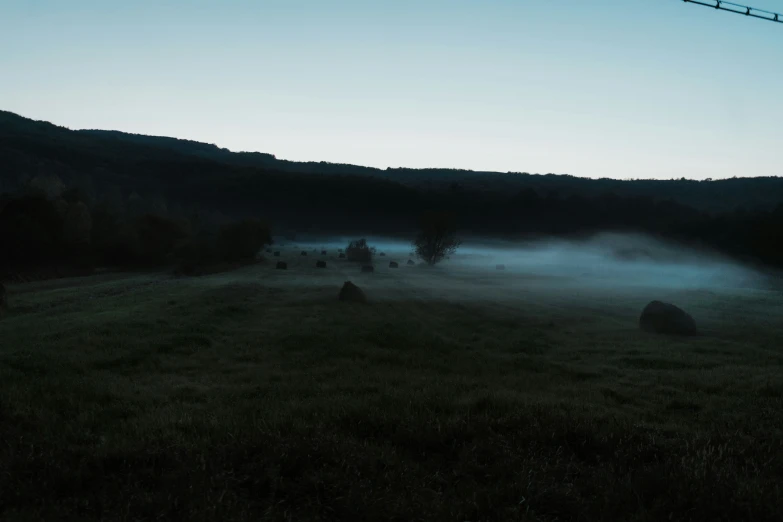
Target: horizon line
389,168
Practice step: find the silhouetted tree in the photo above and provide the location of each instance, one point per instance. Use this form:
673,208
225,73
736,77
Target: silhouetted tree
359,251
437,237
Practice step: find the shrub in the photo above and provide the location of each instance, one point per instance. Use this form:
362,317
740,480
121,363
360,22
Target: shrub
359,251
437,237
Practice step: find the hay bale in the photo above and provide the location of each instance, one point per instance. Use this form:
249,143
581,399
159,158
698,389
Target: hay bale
393,264
320,264
665,318
341,256
500,267
351,293
281,265
277,253
368,269
304,253
411,262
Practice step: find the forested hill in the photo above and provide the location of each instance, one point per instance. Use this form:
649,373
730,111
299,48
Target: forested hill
122,181
113,158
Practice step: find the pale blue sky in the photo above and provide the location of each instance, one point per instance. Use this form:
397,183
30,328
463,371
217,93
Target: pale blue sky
625,89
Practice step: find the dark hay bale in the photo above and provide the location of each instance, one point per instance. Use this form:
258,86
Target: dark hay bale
368,269
665,318
342,256
383,254
393,264
277,253
411,262
320,264
323,252
351,293
304,253
281,265
500,267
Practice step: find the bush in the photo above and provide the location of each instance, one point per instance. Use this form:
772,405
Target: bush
241,241
359,251
437,237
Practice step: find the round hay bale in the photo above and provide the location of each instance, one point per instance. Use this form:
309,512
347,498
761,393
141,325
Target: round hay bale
665,318
281,265
368,269
393,264
320,264
277,253
304,253
500,267
411,262
341,256
351,293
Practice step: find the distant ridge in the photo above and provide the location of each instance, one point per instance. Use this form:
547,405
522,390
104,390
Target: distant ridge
26,142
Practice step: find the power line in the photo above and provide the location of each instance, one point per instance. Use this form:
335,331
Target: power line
739,9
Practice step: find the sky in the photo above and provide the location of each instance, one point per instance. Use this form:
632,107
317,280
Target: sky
602,88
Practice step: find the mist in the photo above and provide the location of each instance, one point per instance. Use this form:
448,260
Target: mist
602,262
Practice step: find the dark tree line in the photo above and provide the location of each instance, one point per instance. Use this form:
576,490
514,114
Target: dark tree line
41,236
140,196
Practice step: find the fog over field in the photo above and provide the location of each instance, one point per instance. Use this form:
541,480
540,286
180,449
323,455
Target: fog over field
605,261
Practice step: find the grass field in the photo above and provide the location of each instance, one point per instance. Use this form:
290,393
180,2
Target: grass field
456,394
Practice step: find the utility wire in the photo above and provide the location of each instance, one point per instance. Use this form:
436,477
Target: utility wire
739,9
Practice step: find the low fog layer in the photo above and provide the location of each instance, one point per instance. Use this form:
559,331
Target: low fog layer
605,260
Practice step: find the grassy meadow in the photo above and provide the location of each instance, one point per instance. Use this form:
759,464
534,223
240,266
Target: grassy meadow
457,393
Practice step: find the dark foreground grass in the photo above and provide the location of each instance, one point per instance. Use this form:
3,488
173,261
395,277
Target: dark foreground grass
157,399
